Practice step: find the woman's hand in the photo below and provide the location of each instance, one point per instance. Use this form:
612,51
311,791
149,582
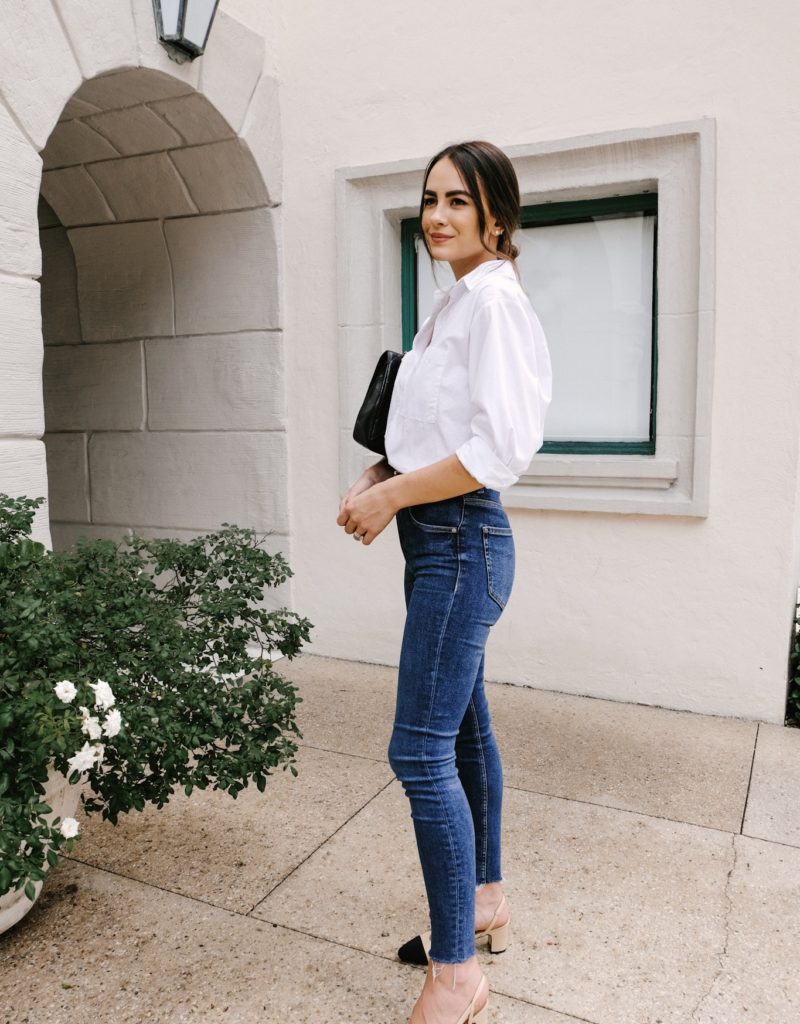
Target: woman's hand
366,509
374,475
377,495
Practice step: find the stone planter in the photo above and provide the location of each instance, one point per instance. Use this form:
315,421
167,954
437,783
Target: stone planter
64,800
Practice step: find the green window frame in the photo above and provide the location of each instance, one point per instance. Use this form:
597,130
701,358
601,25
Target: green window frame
551,214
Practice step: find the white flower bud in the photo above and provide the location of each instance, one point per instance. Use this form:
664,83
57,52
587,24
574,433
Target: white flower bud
65,691
83,760
69,828
103,697
90,725
113,723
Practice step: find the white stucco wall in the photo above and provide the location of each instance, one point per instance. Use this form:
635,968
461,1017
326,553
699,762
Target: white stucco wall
684,612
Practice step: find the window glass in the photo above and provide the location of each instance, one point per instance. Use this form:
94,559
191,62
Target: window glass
588,268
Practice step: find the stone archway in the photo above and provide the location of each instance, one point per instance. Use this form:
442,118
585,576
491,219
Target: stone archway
163,370
162,364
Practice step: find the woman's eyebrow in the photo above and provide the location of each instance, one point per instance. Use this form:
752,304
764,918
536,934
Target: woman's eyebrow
447,195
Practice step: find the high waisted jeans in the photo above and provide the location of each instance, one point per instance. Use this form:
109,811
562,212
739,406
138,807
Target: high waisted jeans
459,571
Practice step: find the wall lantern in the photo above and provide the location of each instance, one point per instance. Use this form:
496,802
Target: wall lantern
183,26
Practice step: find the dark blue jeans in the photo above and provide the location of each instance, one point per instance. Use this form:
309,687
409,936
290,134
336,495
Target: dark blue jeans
459,572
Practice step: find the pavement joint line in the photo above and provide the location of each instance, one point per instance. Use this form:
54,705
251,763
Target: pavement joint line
331,750
750,777
320,845
396,962
151,885
569,799
769,842
405,967
621,810
726,924
310,935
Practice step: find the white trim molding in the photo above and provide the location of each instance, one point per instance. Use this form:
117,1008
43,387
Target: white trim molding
677,161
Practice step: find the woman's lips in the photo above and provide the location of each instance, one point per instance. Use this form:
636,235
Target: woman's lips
440,238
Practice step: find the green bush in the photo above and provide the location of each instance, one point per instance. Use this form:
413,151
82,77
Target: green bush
137,667
793,701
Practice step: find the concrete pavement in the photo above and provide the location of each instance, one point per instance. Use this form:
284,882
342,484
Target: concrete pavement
652,863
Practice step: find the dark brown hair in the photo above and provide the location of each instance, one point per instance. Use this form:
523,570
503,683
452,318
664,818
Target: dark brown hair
484,169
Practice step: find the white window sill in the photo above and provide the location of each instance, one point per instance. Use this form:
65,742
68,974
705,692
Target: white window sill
600,471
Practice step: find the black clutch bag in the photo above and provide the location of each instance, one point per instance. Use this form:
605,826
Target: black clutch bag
370,428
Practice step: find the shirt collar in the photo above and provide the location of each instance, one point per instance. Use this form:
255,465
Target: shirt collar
471,279
468,281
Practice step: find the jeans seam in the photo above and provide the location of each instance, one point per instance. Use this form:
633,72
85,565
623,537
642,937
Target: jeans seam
482,503
430,716
484,789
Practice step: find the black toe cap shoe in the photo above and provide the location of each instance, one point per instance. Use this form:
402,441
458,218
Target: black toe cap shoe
413,952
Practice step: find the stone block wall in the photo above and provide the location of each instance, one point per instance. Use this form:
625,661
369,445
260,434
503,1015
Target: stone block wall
164,399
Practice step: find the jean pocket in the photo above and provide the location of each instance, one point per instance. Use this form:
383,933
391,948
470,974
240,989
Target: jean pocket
498,550
437,516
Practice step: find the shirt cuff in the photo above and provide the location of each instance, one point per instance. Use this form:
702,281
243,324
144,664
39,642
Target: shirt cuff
481,462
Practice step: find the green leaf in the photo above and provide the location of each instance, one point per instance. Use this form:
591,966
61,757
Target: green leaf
30,891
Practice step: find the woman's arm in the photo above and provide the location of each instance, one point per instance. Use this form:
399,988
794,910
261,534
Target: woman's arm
370,511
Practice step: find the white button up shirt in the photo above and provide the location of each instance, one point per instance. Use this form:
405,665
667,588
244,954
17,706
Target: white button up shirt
476,382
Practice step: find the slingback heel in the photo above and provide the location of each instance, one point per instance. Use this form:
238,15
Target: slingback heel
415,951
482,1016
473,1016
498,934
469,1016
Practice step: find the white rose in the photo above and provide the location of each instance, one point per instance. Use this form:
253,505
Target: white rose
69,828
83,760
99,751
90,725
103,697
113,723
65,690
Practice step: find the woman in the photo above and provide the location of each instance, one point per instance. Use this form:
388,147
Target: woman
467,416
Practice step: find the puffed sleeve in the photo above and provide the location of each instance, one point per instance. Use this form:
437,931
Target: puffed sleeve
510,389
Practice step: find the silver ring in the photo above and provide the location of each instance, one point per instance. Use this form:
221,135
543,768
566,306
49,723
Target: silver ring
358,536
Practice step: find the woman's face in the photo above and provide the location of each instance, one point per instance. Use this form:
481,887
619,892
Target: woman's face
450,221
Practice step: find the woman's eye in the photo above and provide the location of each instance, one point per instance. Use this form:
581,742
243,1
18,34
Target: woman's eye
459,202
427,201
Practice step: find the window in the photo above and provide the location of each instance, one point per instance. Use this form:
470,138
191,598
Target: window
589,268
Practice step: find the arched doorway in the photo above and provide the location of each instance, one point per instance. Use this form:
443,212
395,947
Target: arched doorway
163,383
209,440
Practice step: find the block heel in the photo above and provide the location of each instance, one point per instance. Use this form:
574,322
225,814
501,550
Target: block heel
499,938
498,934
